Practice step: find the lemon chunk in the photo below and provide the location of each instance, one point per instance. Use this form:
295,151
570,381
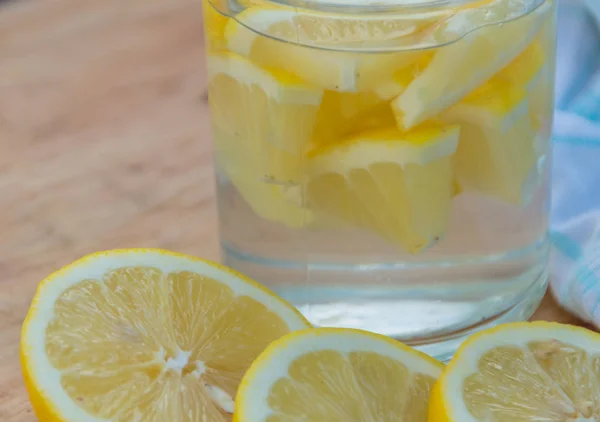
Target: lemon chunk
498,149
522,372
459,68
531,70
263,121
403,77
345,113
332,374
396,184
214,25
143,334
307,36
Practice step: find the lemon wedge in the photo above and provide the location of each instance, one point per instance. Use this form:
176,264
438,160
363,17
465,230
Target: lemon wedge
460,67
308,39
531,71
330,374
397,184
145,335
522,372
498,149
263,122
345,113
403,77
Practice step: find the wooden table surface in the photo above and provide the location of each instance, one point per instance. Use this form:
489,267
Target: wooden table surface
104,143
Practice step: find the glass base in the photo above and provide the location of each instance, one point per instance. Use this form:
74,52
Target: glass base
431,306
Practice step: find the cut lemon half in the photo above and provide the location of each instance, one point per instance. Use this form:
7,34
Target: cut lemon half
330,374
457,69
263,121
148,335
396,184
522,372
498,149
302,43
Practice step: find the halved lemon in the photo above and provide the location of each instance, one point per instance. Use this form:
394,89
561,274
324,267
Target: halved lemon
458,68
304,43
499,146
396,184
330,374
522,372
144,334
263,121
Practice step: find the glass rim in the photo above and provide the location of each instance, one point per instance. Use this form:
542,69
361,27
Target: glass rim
384,12
394,4
386,6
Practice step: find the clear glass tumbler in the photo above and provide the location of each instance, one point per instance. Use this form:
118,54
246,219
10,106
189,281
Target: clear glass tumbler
384,165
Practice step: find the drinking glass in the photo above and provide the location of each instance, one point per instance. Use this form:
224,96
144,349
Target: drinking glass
384,165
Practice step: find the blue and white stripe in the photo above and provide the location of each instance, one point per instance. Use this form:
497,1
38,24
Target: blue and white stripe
575,222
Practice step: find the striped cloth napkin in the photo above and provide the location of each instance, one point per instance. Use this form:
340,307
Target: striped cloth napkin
575,216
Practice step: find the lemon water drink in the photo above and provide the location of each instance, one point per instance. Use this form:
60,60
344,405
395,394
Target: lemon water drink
384,165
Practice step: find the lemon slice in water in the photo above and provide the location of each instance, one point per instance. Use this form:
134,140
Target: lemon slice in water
459,68
499,147
396,184
262,122
308,36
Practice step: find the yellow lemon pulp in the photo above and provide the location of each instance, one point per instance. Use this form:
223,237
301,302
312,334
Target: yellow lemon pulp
293,100
497,153
146,335
522,372
457,69
396,184
260,136
333,70
343,114
337,375
214,25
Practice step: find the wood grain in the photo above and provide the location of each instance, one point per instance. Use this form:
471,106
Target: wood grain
103,143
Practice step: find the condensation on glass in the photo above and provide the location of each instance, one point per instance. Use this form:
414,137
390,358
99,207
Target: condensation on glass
384,165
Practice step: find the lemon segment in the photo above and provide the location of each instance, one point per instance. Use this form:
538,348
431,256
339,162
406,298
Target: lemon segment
403,77
396,184
498,149
332,374
459,68
262,122
307,36
278,86
343,114
522,372
145,334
